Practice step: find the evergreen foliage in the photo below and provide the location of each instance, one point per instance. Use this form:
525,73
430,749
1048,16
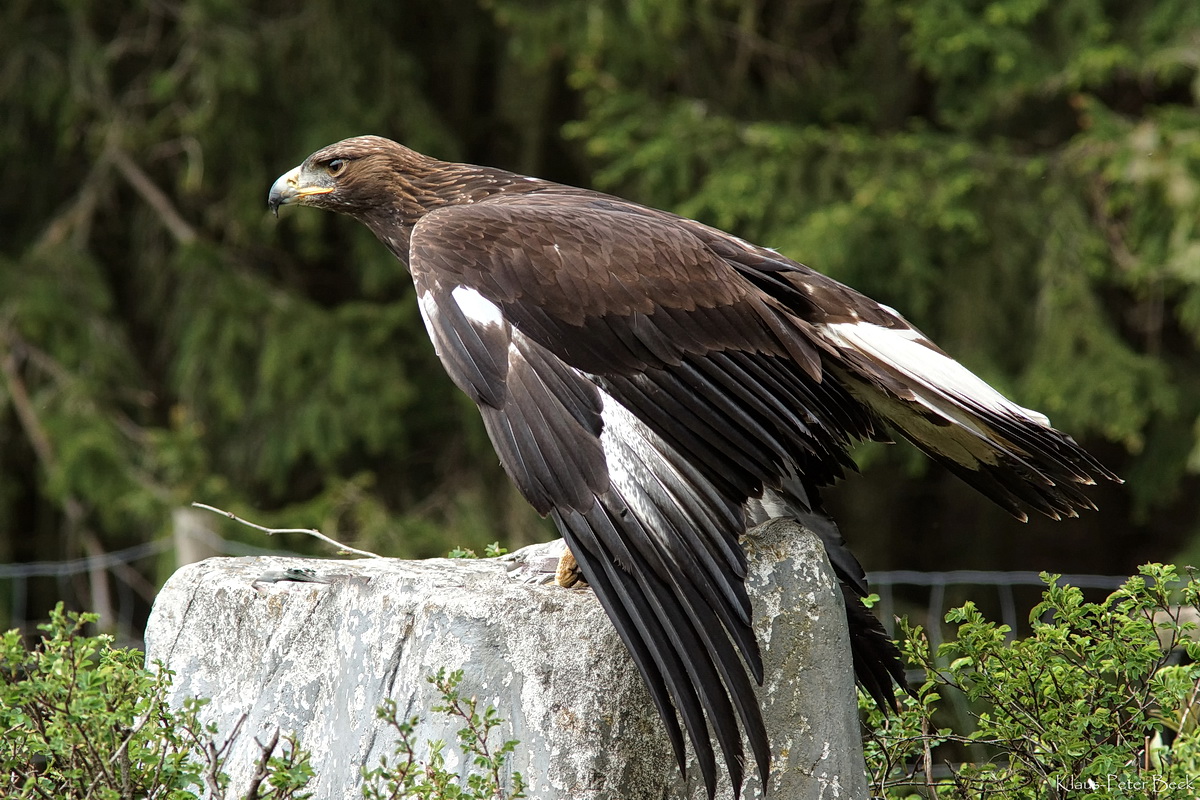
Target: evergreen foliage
1020,177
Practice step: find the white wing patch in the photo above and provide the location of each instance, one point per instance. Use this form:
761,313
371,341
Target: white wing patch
429,312
476,307
904,350
658,486
636,465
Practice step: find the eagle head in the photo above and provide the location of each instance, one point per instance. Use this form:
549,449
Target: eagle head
353,176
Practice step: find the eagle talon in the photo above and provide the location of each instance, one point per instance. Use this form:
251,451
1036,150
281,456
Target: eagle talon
567,574
537,564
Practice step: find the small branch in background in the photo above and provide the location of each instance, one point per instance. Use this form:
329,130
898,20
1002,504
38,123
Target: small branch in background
76,219
180,228
98,584
21,402
74,511
272,531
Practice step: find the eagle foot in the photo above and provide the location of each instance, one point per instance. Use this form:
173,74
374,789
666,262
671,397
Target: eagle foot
548,562
567,573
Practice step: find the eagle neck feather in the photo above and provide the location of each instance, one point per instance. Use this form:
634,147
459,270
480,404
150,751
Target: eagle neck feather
419,188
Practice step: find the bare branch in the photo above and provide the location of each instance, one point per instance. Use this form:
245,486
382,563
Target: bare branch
180,228
215,756
272,531
927,758
73,508
22,404
76,219
264,760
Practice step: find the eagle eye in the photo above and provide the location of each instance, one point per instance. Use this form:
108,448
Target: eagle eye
335,166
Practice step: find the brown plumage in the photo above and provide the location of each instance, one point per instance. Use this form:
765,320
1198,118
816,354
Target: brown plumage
656,385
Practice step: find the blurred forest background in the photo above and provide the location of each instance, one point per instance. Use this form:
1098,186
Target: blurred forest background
1021,178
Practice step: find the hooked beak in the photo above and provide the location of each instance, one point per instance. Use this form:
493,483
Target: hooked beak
293,187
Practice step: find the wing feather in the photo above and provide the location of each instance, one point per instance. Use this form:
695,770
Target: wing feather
617,589
1009,453
656,539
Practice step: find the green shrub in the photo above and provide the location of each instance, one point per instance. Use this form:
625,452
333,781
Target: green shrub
80,718
1091,704
407,778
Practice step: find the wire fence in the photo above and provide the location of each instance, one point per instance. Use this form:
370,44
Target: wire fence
129,594
17,578
935,584
113,584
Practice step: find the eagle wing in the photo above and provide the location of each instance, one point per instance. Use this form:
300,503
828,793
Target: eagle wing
1007,452
639,391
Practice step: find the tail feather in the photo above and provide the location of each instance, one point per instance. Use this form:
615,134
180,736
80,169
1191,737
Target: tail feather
877,665
1009,453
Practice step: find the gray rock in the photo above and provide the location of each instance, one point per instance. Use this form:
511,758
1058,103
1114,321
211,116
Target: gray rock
318,658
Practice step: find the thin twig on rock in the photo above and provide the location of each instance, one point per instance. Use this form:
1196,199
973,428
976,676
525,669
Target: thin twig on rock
272,531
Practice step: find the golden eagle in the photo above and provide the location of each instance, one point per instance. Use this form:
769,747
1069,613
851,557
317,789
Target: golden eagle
657,385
